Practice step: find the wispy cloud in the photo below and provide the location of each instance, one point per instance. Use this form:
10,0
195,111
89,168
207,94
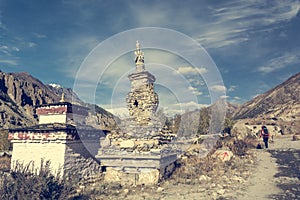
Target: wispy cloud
235,20
31,44
4,49
10,45
41,36
232,88
224,97
218,88
225,23
180,108
191,70
195,91
280,62
10,62
2,25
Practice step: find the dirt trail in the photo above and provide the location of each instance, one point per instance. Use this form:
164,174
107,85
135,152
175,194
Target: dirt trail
276,176
263,183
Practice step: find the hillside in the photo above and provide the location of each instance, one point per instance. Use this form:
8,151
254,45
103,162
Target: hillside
20,93
281,103
279,106
199,122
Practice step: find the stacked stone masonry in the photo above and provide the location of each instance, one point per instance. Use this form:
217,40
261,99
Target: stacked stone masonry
137,152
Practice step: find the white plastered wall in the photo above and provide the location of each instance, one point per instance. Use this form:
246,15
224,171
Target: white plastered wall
54,118
26,152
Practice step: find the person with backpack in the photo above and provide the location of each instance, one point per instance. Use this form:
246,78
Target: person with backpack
265,134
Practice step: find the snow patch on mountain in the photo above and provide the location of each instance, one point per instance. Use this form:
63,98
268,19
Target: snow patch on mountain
54,85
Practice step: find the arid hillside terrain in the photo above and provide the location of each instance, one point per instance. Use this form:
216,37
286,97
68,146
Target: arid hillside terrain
20,93
281,103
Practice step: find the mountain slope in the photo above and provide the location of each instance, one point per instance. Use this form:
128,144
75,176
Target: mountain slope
210,119
281,102
20,93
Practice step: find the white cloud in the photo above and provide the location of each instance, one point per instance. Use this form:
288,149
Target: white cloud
190,88
232,88
224,97
41,36
237,98
31,44
218,88
4,50
15,49
11,62
197,93
180,108
280,62
194,91
191,70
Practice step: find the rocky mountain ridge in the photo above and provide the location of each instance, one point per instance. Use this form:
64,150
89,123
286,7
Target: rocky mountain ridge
20,93
282,103
279,106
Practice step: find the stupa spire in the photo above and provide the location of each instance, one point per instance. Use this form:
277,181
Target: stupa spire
139,58
62,98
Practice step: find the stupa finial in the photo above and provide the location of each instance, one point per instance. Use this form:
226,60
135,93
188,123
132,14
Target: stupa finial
62,97
139,54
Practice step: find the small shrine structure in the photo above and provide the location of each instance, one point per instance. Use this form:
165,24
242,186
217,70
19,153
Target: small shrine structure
61,137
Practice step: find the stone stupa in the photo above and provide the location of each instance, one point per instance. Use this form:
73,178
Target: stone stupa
142,101
138,151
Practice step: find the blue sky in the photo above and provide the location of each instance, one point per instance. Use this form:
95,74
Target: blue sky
255,44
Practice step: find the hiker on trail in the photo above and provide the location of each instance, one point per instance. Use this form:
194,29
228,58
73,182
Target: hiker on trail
265,134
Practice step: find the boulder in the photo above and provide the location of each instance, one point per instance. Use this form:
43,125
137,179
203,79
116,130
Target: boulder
126,144
221,192
160,189
224,155
204,178
240,130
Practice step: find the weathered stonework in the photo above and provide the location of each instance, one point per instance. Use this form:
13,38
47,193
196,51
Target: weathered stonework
137,152
142,101
148,177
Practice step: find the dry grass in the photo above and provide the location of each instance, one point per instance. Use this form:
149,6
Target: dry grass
22,183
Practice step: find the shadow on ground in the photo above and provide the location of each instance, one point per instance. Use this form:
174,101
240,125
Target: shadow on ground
288,177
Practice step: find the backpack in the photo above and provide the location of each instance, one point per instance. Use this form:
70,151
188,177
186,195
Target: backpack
265,132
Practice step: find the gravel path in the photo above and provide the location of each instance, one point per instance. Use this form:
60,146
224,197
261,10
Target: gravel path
277,175
274,175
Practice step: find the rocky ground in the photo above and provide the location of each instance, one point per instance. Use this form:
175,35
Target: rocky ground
249,174
258,174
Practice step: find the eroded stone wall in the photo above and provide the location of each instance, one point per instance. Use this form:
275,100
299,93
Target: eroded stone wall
142,103
79,162
144,177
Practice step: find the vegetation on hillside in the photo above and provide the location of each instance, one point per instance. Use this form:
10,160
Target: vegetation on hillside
191,124
4,142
